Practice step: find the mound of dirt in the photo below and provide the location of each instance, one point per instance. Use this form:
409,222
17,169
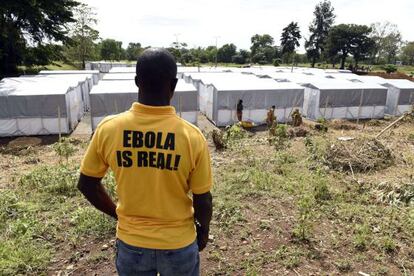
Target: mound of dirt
359,155
342,124
299,131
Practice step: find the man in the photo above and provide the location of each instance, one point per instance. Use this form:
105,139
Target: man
296,118
158,159
271,116
239,108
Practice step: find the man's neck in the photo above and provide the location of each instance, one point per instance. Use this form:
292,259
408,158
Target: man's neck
153,101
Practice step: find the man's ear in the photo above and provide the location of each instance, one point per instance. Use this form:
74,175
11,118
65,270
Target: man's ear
174,84
137,81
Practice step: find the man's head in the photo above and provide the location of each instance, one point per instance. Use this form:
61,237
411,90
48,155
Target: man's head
156,76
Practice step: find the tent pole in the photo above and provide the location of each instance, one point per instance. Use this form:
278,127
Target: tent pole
326,107
360,104
373,112
294,105
59,126
116,106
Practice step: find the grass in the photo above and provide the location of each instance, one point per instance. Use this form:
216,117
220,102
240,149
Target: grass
43,210
277,210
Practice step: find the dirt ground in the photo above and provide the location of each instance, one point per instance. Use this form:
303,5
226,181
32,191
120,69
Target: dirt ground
261,203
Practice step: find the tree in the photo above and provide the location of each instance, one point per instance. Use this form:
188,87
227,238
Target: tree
133,51
83,34
241,57
408,53
226,52
111,49
290,39
345,39
319,29
388,40
262,49
31,20
211,53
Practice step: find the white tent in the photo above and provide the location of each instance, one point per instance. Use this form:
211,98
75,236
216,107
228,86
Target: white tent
400,96
119,76
219,94
343,99
85,81
96,76
104,66
39,105
113,97
131,69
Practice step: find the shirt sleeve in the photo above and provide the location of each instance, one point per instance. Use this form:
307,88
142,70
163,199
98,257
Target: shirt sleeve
93,163
201,177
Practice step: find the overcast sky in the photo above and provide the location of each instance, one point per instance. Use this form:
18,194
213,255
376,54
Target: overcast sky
198,22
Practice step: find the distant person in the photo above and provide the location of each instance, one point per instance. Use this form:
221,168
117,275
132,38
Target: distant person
296,118
239,108
271,118
158,159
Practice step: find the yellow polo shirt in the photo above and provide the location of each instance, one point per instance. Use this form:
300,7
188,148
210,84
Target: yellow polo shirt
157,159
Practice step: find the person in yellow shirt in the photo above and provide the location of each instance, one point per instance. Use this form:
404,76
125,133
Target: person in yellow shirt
163,177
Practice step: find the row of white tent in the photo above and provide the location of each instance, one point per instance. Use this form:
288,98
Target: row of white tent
52,102
113,96
330,94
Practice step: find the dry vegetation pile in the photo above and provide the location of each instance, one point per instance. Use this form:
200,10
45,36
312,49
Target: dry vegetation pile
358,155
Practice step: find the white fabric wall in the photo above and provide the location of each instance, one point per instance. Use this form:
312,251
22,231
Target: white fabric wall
188,116
33,126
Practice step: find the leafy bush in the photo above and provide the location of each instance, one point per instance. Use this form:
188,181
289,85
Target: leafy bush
303,229
276,62
279,136
321,191
64,148
390,68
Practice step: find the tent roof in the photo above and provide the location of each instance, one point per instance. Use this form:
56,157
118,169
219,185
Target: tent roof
128,86
58,72
119,76
372,79
239,82
403,84
38,85
122,70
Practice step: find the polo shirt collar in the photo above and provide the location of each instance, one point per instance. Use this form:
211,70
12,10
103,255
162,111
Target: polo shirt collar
149,109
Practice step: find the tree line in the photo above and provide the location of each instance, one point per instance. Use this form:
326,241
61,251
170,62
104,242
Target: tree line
42,32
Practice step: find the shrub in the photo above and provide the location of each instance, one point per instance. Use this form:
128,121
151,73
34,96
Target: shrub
390,68
276,62
303,229
64,148
279,136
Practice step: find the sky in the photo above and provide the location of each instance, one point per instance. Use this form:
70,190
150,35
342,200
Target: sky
202,22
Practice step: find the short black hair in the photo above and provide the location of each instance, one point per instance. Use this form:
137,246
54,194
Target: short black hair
156,67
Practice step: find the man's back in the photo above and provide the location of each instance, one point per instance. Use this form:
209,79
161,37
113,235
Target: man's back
159,160
154,155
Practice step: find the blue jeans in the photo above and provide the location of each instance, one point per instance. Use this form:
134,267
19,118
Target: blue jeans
131,260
